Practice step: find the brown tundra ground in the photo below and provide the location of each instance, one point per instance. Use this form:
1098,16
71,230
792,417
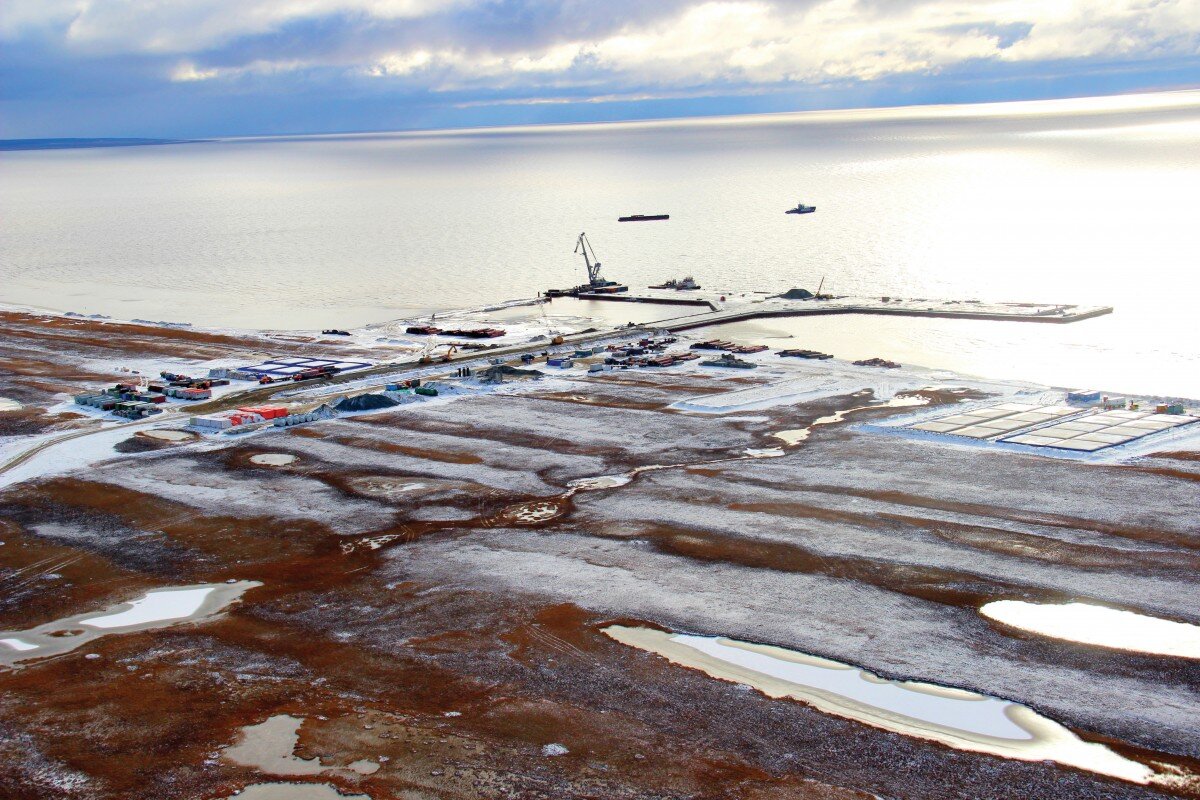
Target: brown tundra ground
433,596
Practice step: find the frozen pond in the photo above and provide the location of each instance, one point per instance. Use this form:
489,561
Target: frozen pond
155,609
601,482
533,512
273,459
294,791
1105,627
158,606
168,435
956,718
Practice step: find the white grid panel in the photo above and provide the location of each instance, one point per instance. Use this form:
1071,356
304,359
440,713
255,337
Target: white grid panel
1097,431
992,422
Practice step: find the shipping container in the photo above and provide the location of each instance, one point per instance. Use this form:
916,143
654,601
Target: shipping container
266,412
215,421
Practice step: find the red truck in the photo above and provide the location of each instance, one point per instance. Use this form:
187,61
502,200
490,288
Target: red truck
314,372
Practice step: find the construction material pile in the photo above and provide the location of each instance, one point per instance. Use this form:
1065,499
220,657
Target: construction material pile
729,347
877,362
799,353
365,402
729,360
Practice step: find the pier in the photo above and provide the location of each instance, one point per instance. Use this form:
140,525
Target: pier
748,306
1058,315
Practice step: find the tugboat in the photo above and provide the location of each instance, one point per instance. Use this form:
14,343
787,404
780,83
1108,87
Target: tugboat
685,284
801,209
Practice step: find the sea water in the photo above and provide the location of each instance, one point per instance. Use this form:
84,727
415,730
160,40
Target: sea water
1079,201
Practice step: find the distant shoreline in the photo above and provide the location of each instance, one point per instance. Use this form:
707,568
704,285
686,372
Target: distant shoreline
73,144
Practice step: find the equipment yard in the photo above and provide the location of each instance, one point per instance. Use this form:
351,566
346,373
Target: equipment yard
626,576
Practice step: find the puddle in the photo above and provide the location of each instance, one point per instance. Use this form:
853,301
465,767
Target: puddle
9,405
1097,625
386,488
155,609
168,435
953,717
794,436
268,748
797,435
293,791
764,452
18,644
273,459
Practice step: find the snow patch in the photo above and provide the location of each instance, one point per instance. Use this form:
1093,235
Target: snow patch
273,459
1099,625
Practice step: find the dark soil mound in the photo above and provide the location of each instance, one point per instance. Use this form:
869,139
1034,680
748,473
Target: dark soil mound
365,402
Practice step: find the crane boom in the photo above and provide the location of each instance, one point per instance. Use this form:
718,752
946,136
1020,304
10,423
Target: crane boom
582,245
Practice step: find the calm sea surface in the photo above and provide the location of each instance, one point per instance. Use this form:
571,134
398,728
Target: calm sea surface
1094,201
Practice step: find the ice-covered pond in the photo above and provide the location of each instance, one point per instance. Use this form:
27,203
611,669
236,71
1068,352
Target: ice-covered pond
954,717
1098,625
157,608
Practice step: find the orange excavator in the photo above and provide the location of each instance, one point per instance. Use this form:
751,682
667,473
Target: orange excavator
431,356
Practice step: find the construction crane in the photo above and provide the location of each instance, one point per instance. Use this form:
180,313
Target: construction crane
593,269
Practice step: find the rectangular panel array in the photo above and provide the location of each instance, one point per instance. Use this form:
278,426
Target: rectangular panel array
1097,431
995,421
290,366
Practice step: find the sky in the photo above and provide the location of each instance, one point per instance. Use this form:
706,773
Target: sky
199,68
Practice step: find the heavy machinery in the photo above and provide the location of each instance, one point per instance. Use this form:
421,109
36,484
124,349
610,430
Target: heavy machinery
430,356
582,246
596,284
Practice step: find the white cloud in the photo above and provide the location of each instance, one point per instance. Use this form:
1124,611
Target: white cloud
762,42
736,42
175,26
187,72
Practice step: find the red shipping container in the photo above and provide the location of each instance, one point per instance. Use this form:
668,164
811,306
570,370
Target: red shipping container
266,412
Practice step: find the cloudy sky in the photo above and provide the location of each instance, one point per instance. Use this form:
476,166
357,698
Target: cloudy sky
180,68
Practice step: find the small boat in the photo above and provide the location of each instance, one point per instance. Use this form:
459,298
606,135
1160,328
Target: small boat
643,217
801,209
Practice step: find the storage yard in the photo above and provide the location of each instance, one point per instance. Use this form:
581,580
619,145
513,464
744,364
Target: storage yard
426,563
